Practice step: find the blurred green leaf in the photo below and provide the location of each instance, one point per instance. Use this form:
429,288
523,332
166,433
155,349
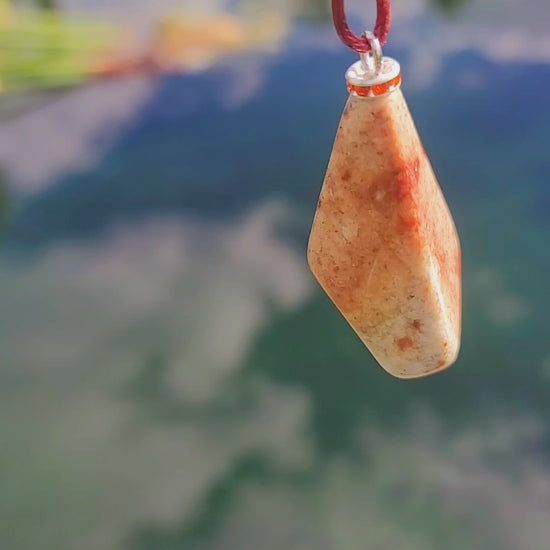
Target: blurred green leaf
449,6
3,203
47,4
315,10
46,49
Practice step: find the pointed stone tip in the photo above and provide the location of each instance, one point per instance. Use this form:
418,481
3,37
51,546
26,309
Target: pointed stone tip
419,371
439,354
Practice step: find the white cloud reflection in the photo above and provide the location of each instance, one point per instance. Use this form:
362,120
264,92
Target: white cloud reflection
70,132
78,324
87,466
422,490
501,306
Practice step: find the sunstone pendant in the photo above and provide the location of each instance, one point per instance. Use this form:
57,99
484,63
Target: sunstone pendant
383,244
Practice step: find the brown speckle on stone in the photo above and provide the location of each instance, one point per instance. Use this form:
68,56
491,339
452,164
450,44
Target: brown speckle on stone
404,343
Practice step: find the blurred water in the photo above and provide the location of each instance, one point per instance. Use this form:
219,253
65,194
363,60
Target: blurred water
170,374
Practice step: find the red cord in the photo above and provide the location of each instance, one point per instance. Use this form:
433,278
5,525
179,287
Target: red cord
358,43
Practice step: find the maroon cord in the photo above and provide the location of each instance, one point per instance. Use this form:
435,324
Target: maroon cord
359,43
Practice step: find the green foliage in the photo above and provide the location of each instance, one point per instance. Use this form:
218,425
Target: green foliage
315,10
449,6
3,203
46,50
47,4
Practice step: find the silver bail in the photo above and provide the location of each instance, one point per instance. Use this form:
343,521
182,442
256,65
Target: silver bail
371,61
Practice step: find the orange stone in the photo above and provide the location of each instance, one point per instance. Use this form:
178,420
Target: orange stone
383,243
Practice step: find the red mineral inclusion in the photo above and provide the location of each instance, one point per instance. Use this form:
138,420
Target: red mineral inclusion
383,243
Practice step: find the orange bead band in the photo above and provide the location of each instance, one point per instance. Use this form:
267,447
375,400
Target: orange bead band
376,89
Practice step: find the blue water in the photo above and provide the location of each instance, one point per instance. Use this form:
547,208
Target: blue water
172,377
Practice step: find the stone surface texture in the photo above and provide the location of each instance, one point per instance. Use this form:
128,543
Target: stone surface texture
383,243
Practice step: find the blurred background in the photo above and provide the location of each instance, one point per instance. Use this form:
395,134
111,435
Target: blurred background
171,377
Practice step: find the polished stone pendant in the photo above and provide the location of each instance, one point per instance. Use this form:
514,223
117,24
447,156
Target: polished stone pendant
383,244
